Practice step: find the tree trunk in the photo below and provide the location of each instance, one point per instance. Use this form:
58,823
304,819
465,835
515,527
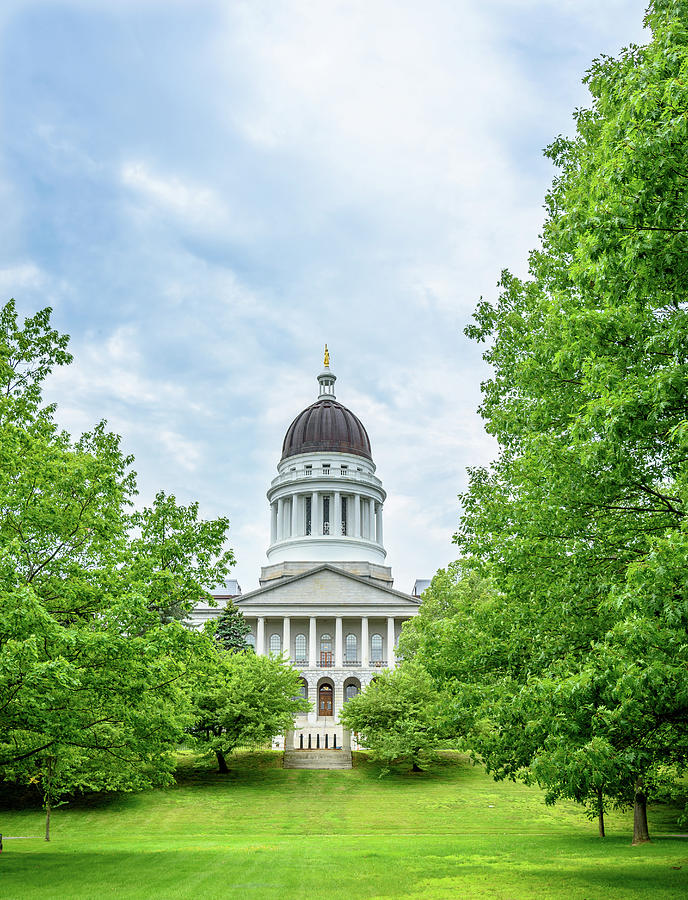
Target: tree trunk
415,767
640,833
47,818
221,762
600,811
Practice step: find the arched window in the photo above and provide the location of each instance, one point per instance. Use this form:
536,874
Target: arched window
275,644
300,648
325,650
351,647
350,691
303,689
376,648
251,641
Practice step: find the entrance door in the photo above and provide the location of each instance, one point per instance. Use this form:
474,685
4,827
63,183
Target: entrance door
325,700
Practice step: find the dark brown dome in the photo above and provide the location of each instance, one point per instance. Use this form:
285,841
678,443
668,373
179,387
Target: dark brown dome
326,426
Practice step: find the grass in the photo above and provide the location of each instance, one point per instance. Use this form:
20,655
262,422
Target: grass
263,831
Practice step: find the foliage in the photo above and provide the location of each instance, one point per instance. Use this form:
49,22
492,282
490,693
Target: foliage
244,700
176,555
232,629
91,680
399,715
581,518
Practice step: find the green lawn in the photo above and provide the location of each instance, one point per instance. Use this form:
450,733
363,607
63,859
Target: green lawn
263,831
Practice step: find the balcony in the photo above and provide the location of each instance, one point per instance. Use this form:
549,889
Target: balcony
378,663
350,475
352,662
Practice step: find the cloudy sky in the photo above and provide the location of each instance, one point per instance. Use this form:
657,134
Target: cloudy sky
207,192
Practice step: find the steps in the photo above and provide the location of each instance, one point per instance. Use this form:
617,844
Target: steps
317,759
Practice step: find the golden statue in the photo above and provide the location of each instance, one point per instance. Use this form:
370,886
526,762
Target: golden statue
327,357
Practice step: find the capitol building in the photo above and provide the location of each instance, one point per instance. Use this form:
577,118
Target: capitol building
326,600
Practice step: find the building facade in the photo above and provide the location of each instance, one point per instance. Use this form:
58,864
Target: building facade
326,600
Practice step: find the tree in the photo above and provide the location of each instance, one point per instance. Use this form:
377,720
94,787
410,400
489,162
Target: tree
232,629
91,680
582,516
244,700
400,715
177,556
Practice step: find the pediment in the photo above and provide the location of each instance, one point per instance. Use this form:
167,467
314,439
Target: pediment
326,585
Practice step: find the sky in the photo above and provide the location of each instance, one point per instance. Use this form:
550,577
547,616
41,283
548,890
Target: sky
208,192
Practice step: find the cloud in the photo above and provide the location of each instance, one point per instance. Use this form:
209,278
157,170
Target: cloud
208,192
190,202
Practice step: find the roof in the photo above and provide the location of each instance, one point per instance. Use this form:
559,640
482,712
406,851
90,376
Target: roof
326,425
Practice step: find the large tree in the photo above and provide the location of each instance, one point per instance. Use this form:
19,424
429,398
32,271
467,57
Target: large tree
582,516
91,679
244,700
399,716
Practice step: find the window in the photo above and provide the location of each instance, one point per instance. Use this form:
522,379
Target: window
344,513
376,648
326,650
308,514
351,647
251,641
275,644
308,470
326,515
303,691
345,469
300,648
326,468
350,691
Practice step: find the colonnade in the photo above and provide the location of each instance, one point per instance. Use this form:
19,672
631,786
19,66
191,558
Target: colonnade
316,658
305,513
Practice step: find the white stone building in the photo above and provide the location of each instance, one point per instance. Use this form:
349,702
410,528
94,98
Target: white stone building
326,600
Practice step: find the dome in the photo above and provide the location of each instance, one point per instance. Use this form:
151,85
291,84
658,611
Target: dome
326,426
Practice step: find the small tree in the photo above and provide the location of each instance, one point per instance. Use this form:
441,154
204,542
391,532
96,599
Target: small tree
244,700
398,716
232,629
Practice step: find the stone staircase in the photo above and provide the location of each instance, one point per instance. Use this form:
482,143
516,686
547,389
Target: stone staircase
317,759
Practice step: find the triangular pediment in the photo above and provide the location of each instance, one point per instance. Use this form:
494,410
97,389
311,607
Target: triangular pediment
327,585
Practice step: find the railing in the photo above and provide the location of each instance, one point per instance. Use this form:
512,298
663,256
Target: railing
378,663
349,474
352,662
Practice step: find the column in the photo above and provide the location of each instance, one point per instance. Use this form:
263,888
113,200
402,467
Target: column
338,655
390,642
312,644
365,642
357,515
316,517
273,523
378,533
371,519
260,637
286,637
336,526
280,519
295,515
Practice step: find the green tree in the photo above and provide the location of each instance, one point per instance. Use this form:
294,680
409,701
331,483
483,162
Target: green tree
400,715
91,680
582,516
177,556
232,629
244,700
